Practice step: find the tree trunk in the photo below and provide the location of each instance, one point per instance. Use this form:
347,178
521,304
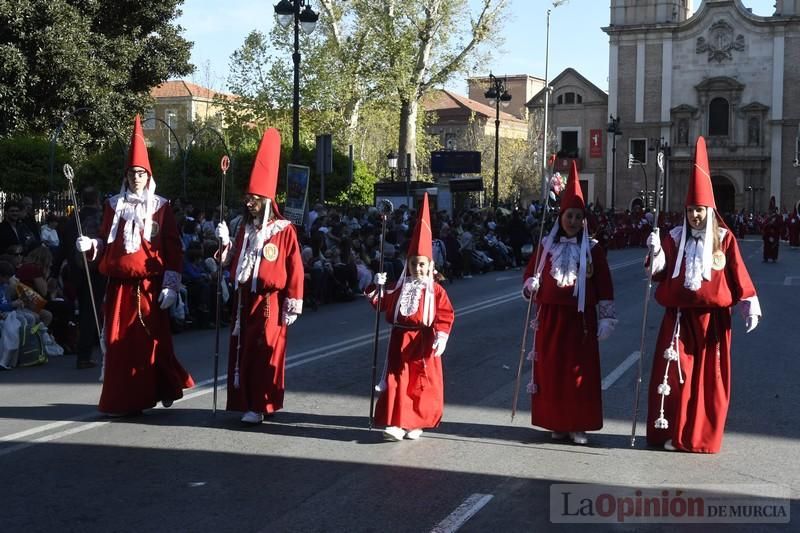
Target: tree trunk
409,108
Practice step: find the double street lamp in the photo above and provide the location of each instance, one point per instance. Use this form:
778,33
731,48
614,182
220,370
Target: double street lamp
288,12
497,95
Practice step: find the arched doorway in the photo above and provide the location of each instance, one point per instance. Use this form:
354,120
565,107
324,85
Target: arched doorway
724,194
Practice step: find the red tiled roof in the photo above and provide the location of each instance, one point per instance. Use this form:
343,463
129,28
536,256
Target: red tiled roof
179,88
445,100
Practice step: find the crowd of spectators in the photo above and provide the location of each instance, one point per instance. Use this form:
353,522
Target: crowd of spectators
341,248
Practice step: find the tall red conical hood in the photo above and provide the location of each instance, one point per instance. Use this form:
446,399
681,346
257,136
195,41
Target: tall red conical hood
422,238
264,176
700,190
137,155
572,195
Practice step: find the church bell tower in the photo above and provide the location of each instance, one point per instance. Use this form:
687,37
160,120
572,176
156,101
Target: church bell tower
641,12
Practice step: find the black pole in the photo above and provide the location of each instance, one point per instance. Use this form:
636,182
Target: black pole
296,88
495,187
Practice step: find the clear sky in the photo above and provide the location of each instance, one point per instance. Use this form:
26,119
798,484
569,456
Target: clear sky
217,28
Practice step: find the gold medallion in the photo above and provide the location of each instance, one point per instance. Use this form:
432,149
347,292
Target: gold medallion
589,270
154,229
718,260
270,252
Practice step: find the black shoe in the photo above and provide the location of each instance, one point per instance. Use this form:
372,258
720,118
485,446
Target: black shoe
80,365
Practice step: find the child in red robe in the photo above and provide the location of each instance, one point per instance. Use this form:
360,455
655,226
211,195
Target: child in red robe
574,310
417,307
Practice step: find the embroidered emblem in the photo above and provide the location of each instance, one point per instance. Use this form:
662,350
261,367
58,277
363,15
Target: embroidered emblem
720,42
154,230
270,252
718,260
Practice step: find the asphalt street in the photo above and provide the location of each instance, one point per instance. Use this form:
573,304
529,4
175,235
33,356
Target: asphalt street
316,466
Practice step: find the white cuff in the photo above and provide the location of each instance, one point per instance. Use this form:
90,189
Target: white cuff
750,306
659,262
293,306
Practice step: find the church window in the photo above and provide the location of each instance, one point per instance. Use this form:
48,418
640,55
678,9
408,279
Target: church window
560,99
569,144
569,98
718,117
754,131
683,132
638,149
579,98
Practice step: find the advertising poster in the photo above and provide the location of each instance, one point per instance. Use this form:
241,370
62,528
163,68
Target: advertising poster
296,193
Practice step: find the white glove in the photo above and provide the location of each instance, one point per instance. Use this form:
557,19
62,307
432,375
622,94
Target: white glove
84,243
289,318
605,327
167,298
439,344
654,241
531,285
379,279
223,234
751,322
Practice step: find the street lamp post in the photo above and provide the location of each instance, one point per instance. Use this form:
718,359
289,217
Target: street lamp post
391,160
288,12
497,95
754,190
613,128
644,193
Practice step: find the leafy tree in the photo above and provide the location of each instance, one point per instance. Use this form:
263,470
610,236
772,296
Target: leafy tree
26,161
60,55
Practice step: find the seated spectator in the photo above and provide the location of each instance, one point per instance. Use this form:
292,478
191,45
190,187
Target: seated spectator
9,301
198,284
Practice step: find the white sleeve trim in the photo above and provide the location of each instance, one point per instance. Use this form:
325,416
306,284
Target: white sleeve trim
750,306
659,262
293,305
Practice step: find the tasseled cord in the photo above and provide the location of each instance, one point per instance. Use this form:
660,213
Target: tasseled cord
672,353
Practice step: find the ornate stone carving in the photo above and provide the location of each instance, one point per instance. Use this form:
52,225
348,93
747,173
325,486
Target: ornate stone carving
720,43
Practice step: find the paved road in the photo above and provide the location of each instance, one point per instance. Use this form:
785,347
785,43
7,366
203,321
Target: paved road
316,467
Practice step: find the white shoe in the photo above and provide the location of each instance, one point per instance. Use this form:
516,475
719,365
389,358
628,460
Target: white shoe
669,446
251,417
558,435
579,437
393,433
414,434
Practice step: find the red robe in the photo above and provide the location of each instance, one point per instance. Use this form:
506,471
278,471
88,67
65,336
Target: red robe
262,332
794,231
414,393
566,367
696,410
771,236
140,364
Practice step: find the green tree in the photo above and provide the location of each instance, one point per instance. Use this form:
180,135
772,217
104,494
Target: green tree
60,55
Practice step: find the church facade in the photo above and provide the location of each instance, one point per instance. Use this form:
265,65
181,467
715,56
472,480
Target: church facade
724,73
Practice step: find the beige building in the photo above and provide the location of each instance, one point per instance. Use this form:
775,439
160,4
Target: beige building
723,73
181,106
521,87
576,129
460,122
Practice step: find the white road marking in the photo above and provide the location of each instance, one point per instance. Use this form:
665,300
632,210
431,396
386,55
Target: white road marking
463,512
620,370
790,280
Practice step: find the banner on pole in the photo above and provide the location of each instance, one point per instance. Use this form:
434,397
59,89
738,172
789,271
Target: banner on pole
296,193
595,143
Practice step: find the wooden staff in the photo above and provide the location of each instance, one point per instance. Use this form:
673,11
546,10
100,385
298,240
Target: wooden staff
70,175
386,209
648,289
224,164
